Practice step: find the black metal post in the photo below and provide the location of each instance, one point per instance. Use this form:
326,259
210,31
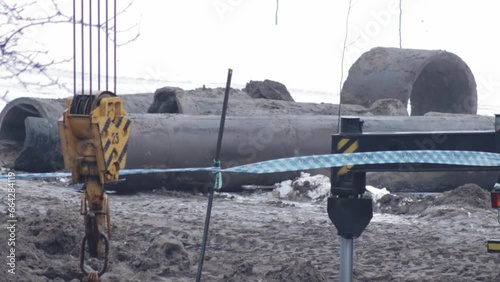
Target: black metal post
212,188
347,210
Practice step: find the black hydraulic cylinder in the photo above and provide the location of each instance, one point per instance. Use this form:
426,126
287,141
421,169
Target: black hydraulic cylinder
350,216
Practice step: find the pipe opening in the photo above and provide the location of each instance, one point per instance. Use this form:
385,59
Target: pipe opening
431,80
13,131
165,101
442,86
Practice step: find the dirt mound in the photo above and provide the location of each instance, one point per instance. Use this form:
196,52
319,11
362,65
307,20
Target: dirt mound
268,89
468,195
296,271
48,242
395,204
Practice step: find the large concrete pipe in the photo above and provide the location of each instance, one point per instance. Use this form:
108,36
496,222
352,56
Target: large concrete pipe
432,80
16,131
172,141
209,102
28,131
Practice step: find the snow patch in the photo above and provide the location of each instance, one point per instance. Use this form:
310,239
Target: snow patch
284,189
377,193
316,187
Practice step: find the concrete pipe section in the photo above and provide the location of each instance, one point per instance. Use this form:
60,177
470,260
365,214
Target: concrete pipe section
29,138
28,128
431,80
178,141
208,101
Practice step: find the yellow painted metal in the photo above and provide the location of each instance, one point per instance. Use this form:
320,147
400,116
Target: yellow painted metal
494,246
95,144
94,147
341,147
96,201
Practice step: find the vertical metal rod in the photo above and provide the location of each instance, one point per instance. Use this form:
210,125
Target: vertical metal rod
347,125
99,45
107,43
114,51
223,117
74,47
346,259
83,51
212,189
90,47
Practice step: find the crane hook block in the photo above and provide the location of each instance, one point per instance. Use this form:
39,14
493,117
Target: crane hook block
94,133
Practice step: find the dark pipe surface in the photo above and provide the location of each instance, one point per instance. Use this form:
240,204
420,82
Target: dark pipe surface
34,134
39,151
177,141
169,141
12,125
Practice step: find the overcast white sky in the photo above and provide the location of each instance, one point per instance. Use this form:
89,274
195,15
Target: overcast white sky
197,40
193,40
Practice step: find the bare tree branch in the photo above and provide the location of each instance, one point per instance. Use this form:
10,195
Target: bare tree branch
17,19
342,59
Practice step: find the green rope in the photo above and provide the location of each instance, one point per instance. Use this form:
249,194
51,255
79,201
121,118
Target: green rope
218,176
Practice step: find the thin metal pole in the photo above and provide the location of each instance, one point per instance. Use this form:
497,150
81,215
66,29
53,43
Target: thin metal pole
99,45
223,117
497,122
83,51
90,47
400,17
107,43
346,259
212,189
74,47
114,51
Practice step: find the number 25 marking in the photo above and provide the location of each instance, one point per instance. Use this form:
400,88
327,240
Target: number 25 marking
114,138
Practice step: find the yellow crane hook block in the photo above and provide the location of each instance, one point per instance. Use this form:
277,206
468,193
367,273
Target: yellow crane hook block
94,134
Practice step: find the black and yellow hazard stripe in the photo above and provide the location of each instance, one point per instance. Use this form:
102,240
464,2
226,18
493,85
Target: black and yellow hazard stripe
105,127
346,146
494,246
112,134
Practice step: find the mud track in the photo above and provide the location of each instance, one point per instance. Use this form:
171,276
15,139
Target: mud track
256,237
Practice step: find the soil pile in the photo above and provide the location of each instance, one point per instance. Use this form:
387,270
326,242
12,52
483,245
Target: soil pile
465,196
157,235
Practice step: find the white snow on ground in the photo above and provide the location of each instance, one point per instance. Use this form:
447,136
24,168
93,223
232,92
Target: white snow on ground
316,187
377,193
284,189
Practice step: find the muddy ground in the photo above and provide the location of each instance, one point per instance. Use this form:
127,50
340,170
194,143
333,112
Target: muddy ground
253,237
